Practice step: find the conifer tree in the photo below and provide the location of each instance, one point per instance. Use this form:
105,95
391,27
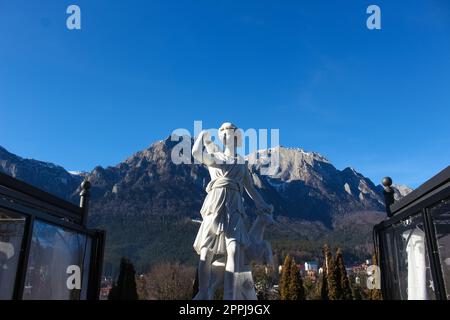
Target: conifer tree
295,288
284,279
356,292
125,288
323,285
342,278
332,284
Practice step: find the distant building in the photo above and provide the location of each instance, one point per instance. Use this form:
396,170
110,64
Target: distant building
311,266
105,287
360,268
311,269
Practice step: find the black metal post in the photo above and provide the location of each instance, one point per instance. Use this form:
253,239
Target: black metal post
433,254
96,265
382,264
23,259
84,200
388,195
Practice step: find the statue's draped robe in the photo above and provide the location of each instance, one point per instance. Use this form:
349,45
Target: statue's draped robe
223,210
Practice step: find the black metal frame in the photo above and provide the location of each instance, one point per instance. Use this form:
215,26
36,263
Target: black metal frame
417,202
35,204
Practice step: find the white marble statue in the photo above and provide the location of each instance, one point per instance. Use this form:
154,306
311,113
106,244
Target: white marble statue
223,243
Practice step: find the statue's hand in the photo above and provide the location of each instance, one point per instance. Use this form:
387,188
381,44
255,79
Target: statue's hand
206,136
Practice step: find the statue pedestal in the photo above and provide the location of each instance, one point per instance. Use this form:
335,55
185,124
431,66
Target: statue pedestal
245,287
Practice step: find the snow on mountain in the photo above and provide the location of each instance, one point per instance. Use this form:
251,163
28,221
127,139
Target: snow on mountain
400,191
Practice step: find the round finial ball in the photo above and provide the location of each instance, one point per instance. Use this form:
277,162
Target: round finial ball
387,181
86,185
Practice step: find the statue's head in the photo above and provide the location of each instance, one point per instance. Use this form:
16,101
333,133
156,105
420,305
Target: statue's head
230,134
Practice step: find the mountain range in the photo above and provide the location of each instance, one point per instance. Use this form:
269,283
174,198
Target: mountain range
148,204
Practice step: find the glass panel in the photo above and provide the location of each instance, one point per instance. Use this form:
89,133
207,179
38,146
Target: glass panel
441,216
11,234
56,260
389,275
408,268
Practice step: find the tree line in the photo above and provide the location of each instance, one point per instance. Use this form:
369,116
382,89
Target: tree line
168,281
333,283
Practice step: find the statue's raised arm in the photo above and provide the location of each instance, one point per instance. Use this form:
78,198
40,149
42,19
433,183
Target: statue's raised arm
204,141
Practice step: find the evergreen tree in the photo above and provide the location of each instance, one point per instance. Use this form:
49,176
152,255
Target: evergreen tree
332,283
284,279
312,291
375,294
125,288
323,284
295,288
342,278
357,292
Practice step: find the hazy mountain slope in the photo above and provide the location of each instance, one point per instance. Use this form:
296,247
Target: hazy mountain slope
44,175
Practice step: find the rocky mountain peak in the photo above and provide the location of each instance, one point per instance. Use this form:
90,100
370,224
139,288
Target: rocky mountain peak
294,163
400,190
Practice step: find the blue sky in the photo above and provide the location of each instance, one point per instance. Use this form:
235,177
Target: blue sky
378,101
